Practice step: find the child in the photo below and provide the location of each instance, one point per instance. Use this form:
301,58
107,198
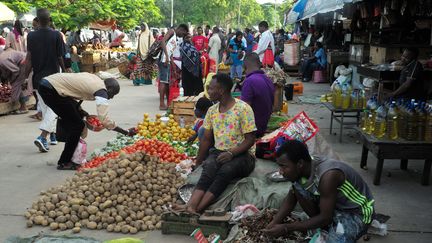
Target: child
201,108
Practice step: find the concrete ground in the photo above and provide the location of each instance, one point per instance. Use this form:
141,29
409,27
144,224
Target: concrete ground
24,172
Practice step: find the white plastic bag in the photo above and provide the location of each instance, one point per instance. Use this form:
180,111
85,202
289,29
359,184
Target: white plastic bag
80,154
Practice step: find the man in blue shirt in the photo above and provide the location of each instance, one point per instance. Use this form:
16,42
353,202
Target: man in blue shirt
237,50
317,62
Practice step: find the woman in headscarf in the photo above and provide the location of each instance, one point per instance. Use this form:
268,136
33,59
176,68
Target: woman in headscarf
192,82
16,38
144,67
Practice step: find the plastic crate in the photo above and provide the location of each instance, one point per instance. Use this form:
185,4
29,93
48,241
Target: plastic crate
169,227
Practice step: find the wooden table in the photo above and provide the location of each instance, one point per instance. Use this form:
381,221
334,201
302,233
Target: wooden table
399,149
339,116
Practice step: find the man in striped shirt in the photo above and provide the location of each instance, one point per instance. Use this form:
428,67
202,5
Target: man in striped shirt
333,194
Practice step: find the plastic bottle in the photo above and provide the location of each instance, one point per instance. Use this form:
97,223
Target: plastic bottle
411,123
355,100
182,122
428,128
363,99
421,122
402,111
371,116
346,97
365,117
181,92
337,96
392,122
380,122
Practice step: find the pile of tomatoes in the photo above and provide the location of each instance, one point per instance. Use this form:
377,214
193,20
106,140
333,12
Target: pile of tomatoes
94,121
153,147
98,160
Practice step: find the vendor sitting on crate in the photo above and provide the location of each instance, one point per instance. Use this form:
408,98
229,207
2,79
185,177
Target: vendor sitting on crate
411,85
230,128
317,62
62,90
331,193
258,91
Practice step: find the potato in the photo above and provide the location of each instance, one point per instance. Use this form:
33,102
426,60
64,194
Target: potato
54,226
62,226
125,229
92,209
91,225
76,230
69,224
29,223
158,225
117,228
38,220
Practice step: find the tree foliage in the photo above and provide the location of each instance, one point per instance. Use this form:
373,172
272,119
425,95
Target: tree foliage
73,14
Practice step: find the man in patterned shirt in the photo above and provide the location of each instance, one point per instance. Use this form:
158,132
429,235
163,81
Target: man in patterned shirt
228,144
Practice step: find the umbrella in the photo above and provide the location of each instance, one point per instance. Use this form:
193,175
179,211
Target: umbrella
6,14
296,12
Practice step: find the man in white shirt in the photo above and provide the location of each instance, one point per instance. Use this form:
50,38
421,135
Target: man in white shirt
265,41
215,45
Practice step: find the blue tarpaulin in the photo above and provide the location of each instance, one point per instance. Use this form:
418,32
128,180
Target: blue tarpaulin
304,9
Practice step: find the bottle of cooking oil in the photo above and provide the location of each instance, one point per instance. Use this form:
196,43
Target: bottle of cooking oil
411,124
428,128
371,116
380,122
392,122
355,100
402,109
421,121
363,101
337,96
346,97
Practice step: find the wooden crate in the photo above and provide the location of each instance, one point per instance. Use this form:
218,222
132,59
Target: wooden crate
90,58
100,67
185,102
87,68
381,55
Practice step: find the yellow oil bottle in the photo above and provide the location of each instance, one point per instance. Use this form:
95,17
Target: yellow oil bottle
392,123
380,122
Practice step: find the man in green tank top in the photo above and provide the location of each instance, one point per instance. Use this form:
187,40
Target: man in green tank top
332,194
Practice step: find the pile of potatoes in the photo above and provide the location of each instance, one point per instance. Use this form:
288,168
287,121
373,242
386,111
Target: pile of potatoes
122,195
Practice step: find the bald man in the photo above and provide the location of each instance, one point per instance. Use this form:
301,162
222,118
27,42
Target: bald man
258,92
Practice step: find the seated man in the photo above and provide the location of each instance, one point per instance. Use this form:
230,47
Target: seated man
333,194
230,127
258,91
411,84
317,62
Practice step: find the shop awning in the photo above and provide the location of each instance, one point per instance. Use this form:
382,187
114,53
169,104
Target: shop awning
6,14
296,12
304,9
102,25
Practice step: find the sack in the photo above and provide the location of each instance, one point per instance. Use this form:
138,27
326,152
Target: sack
62,132
154,50
301,128
80,154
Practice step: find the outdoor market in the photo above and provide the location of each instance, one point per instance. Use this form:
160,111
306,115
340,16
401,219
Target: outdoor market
215,121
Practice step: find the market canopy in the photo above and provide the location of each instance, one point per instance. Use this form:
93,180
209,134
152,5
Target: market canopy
304,9
6,14
103,25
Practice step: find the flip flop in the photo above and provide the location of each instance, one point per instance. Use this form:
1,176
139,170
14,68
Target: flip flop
19,112
68,166
36,117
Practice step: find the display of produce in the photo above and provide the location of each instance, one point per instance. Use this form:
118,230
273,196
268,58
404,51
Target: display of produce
121,49
279,77
251,229
164,129
126,194
5,93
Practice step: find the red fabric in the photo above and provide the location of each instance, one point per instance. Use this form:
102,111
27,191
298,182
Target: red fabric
255,47
212,65
268,60
174,91
205,64
199,42
2,41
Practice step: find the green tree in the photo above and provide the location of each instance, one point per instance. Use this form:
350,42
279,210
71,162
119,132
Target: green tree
74,14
